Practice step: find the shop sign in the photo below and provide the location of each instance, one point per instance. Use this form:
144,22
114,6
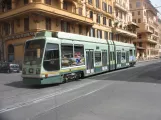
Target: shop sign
20,36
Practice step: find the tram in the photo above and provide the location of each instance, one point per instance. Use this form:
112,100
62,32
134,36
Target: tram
57,57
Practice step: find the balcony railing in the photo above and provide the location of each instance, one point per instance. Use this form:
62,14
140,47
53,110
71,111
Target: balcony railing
122,31
121,6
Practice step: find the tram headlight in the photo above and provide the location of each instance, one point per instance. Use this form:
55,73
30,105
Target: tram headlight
31,70
24,71
38,71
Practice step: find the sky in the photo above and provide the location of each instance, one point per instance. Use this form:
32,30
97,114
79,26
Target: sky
157,3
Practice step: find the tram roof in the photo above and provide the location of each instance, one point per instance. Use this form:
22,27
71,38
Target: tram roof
71,36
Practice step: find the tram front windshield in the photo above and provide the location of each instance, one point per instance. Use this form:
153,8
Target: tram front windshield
34,52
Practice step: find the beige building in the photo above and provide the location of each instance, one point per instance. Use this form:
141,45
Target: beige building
159,22
124,29
21,19
145,16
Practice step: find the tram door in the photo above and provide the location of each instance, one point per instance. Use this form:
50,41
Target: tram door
104,60
89,61
112,61
127,58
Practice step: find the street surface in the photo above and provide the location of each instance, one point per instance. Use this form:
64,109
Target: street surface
127,94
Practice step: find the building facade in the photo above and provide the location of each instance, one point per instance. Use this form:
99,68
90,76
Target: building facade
159,22
124,29
21,19
145,16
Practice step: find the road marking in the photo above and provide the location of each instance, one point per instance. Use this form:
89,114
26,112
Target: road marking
40,99
76,98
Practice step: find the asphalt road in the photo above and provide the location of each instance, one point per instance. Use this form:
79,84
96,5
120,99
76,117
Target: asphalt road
128,94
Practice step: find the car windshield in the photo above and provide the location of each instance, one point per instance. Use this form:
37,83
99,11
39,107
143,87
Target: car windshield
34,51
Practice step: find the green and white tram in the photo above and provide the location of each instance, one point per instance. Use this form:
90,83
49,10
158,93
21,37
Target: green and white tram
56,57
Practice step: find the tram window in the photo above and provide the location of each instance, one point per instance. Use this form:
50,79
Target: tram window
134,52
51,58
131,53
118,57
127,56
79,55
67,55
97,56
123,55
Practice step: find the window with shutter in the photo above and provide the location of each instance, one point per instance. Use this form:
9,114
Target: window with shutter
90,1
106,35
104,6
97,4
48,23
104,20
65,5
48,2
26,24
91,14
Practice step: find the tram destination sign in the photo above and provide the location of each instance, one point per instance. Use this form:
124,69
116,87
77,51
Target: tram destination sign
18,36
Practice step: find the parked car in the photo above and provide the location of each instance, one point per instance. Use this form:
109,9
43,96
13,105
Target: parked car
9,67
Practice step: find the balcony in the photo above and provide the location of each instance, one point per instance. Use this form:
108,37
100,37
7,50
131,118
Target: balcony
150,40
45,9
122,7
144,28
140,48
124,32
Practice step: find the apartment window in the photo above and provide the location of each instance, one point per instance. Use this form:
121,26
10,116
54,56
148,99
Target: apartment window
133,13
140,44
139,36
110,22
92,32
106,35
6,27
48,23
26,24
65,5
98,18
65,26
99,34
97,4
138,4
120,15
110,9
90,1
12,27
117,13
111,36
134,20
104,20
145,13
48,2
91,14
104,6
80,11
80,29
138,12
139,20
26,2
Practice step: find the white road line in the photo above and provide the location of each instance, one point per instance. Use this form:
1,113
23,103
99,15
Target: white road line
76,98
37,100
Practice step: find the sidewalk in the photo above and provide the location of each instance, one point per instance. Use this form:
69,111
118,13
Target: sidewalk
139,61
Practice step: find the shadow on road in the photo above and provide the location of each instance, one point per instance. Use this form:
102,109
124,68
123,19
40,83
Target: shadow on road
19,84
149,74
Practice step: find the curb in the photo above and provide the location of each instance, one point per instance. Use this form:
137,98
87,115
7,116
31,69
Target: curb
147,60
